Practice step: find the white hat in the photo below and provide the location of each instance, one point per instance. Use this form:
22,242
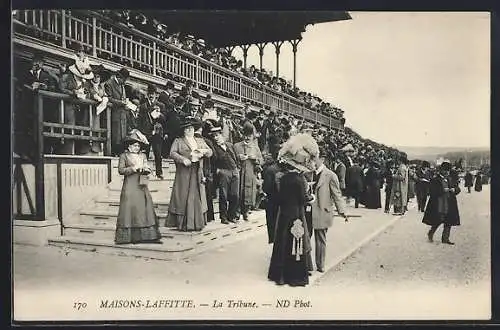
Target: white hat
74,70
348,147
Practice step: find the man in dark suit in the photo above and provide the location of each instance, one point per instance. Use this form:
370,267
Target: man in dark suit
326,189
261,127
354,182
173,117
32,78
422,185
38,77
227,170
270,188
151,119
115,89
167,97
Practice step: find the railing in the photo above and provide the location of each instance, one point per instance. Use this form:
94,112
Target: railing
51,126
110,40
87,129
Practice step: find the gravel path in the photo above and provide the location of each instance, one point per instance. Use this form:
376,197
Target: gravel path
397,275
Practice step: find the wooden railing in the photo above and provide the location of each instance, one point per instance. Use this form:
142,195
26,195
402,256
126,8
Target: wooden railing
110,40
89,131
46,131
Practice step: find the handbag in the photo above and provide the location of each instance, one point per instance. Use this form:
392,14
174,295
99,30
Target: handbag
143,180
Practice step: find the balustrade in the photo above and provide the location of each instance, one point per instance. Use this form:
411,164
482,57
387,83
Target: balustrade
117,42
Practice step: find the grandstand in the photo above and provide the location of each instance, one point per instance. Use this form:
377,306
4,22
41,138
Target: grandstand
71,198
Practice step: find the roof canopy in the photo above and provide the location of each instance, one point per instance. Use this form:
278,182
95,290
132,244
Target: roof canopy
233,28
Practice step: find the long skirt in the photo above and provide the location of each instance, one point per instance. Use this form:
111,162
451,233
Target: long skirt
284,267
372,198
137,221
193,217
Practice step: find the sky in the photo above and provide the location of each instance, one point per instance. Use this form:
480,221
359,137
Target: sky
403,79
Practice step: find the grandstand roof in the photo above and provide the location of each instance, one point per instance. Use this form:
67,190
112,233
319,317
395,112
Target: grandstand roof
233,28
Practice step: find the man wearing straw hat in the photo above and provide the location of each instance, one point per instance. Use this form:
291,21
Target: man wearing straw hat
226,165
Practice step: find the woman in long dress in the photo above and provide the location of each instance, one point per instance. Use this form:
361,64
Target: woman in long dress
250,160
373,184
412,180
479,182
187,210
137,221
399,191
291,257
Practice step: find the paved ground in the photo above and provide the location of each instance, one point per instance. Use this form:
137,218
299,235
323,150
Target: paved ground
396,275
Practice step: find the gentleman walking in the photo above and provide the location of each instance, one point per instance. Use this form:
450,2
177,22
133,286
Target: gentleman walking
442,207
327,191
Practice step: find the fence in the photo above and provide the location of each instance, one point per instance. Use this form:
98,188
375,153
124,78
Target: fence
129,46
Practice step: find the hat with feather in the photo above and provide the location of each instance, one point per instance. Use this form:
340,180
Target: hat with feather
299,151
135,136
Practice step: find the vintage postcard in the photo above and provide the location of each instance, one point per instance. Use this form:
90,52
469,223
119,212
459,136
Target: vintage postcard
232,165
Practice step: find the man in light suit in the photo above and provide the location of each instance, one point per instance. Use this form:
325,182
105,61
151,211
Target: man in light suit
327,193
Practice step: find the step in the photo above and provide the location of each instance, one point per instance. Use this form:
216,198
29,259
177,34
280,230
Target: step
111,211
177,245
169,250
105,228
160,201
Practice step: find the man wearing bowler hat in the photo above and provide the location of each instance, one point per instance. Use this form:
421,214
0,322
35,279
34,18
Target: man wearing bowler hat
442,207
173,120
115,89
151,121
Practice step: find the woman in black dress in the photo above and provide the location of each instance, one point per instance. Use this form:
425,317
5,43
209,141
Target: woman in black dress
290,260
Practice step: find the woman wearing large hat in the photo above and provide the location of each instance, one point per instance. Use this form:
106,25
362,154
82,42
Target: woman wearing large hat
251,161
137,221
291,259
188,204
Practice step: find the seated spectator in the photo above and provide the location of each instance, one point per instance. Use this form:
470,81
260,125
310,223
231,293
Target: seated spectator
38,77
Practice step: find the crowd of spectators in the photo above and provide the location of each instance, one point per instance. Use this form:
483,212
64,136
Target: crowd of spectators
221,57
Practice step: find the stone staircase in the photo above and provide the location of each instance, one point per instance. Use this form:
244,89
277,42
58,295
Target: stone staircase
92,228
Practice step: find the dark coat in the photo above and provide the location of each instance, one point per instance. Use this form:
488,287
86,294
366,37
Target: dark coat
442,206
116,94
43,77
354,180
468,180
372,189
173,120
270,188
284,267
479,183
147,124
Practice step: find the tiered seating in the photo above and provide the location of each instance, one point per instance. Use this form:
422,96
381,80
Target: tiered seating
93,227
